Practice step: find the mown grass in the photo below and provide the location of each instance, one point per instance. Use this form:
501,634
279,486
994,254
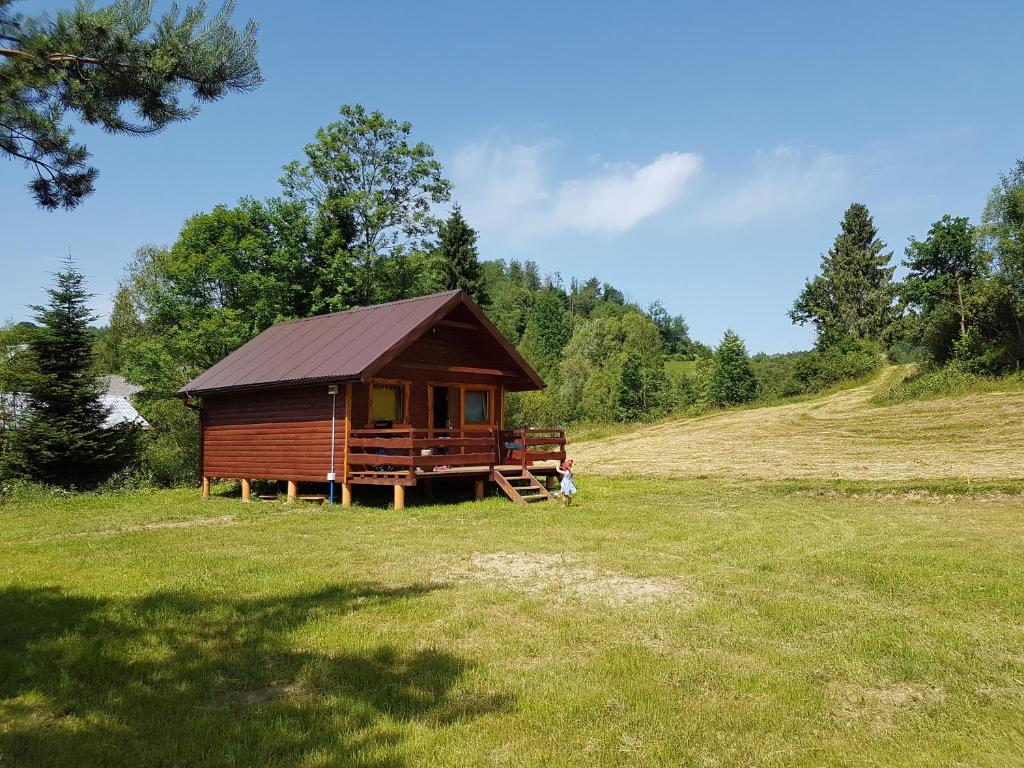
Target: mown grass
585,431
790,624
842,435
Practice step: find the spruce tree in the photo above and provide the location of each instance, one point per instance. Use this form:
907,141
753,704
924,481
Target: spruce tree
733,381
62,441
853,294
457,248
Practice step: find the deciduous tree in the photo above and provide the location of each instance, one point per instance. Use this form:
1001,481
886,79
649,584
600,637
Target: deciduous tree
675,334
364,168
1003,227
944,281
123,327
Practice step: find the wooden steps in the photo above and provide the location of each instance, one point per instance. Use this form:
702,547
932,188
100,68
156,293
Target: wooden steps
520,485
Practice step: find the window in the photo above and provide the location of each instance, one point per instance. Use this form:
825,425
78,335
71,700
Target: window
478,407
387,403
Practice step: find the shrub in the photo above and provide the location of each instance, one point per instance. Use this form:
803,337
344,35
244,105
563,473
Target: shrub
170,450
975,354
21,489
533,409
907,352
850,358
938,382
778,376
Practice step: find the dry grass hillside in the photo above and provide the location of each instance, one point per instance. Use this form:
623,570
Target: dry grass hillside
838,436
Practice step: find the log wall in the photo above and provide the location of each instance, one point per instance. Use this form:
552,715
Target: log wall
274,434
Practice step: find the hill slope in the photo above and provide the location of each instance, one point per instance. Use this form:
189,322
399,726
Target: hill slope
838,436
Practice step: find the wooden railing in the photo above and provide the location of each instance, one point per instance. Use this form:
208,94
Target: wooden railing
529,446
387,453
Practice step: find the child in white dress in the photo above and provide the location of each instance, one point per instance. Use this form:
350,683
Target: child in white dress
568,486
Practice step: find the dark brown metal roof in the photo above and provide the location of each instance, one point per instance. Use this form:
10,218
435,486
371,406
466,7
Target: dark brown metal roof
342,345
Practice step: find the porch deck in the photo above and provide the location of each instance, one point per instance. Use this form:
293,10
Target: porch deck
482,470
403,457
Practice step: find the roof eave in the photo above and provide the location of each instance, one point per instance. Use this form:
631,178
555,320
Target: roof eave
184,392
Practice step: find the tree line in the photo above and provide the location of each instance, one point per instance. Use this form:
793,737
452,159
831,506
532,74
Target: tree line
959,303
355,223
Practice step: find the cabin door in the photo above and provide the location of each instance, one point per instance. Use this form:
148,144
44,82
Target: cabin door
440,418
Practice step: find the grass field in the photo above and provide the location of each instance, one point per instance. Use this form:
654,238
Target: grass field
843,435
676,623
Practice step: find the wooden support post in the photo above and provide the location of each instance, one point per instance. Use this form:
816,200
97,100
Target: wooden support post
346,495
206,487
478,489
348,429
246,488
293,490
399,497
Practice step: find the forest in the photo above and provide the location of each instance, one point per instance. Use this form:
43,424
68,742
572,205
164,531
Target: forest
365,214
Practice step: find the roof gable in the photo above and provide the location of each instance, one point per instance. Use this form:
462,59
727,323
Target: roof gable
343,345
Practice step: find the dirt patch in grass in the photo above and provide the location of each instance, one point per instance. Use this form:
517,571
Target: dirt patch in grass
195,522
566,577
278,689
924,495
880,706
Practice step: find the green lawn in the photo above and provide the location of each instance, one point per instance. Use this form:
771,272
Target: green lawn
671,623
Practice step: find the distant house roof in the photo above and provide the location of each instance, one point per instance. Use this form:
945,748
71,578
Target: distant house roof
117,392
13,406
353,344
121,411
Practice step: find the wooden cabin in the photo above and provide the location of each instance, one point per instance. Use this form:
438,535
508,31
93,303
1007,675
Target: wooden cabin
400,394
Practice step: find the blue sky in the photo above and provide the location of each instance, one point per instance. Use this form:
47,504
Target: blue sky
698,153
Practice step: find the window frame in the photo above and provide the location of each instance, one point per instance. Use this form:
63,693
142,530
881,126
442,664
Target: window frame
406,389
489,392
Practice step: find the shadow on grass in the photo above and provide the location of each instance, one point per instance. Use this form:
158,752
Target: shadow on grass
180,679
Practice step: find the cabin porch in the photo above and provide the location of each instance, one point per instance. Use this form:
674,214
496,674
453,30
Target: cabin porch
515,460
519,462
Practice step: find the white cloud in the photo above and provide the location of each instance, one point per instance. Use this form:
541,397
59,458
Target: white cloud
784,182
505,187
508,191
497,182
619,200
